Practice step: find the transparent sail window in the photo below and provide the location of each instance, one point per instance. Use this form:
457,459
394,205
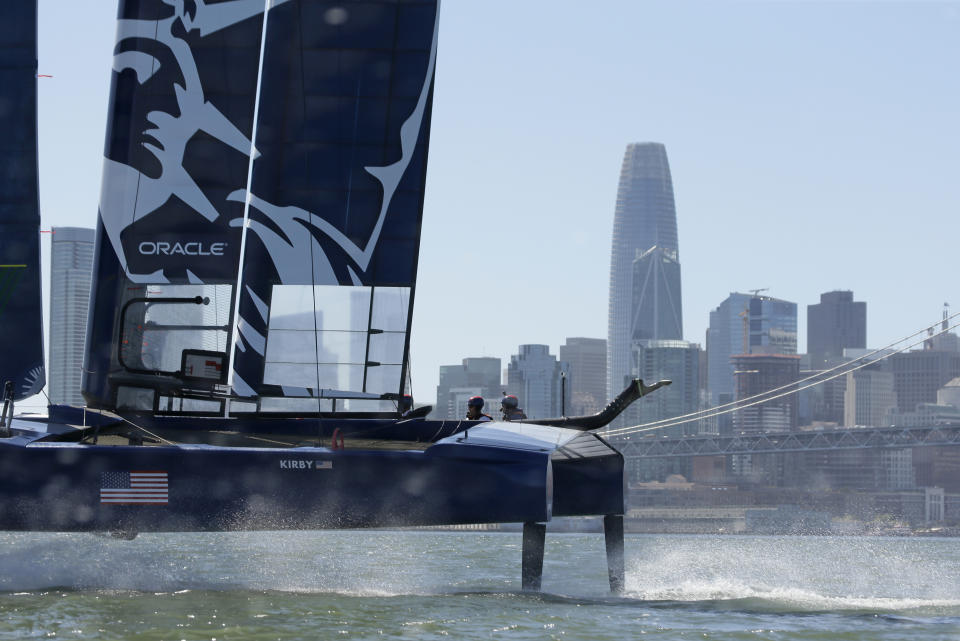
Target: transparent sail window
337,338
162,322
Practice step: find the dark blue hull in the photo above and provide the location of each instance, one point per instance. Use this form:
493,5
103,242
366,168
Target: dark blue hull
495,474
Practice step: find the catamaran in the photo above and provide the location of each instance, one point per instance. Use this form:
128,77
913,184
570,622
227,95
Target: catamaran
254,275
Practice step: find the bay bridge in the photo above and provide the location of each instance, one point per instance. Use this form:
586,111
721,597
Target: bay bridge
655,446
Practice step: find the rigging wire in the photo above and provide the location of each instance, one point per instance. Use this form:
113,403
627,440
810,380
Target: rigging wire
145,430
791,388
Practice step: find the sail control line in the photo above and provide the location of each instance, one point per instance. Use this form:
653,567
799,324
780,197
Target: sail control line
634,391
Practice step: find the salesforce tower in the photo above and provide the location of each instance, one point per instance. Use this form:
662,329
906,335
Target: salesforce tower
644,261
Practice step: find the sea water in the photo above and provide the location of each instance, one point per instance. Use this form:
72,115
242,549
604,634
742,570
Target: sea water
466,585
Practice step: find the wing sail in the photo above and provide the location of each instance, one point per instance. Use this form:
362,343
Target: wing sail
178,144
272,164
336,198
21,321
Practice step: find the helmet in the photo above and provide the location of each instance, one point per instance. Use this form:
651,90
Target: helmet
509,401
475,401
405,402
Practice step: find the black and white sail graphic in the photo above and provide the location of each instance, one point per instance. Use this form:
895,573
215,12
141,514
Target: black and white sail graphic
178,143
270,154
21,324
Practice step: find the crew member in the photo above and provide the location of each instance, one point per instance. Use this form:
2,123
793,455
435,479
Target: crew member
509,407
475,409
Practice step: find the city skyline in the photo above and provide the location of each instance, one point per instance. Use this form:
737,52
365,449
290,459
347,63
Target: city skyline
812,157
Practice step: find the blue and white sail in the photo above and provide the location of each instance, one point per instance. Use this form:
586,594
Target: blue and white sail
268,157
21,359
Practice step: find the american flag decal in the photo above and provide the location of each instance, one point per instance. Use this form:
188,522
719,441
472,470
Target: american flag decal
134,487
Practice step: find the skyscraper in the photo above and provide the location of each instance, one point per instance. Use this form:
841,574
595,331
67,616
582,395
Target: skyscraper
656,283
745,324
919,374
71,269
533,375
587,378
759,373
644,298
679,362
473,377
869,395
833,324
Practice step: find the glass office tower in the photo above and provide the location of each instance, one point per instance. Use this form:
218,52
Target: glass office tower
71,269
644,301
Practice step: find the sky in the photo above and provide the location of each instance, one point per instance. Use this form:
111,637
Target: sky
813,147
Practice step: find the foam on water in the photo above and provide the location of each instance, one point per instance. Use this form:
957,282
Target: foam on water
738,596
373,564
433,585
798,574
764,574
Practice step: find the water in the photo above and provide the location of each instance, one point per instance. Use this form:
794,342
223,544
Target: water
440,585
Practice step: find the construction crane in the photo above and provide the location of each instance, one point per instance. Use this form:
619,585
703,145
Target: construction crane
756,292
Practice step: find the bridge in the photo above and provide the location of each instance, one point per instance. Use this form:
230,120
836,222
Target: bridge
650,446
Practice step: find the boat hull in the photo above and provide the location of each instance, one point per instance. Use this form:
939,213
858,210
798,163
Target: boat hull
52,485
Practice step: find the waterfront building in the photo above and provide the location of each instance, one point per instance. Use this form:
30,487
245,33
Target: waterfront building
896,469
534,377
587,377
472,377
71,270
644,249
924,415
835,323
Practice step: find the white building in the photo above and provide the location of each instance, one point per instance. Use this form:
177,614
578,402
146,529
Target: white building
71,270
869,397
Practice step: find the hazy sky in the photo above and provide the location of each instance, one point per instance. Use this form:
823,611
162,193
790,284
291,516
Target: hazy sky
813,147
